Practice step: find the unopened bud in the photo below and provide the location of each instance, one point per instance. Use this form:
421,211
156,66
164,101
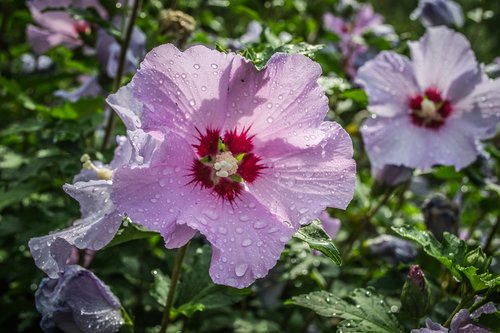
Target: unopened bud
415,294
177,24
441,215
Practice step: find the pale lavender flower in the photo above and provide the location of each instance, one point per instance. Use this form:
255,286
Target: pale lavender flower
392,175
55,27
90,87
99,220
462,322
438,12
352,47
77,302
258,168
431,110
330,224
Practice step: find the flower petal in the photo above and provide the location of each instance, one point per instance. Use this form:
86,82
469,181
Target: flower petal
42,40
290,103
95,229
419,147
163,187
452,69
298,184
246,238
389,81
184,90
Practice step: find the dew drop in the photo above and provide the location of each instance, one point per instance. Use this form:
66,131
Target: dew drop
270,119
214,66
246,242
240,269
196,66
259,225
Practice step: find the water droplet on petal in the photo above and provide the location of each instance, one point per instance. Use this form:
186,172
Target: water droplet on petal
240,269
246,242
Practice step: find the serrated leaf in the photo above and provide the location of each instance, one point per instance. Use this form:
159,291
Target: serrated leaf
317,239
454,254
363,310
159,288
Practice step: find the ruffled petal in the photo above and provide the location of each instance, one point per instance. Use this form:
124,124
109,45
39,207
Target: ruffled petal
298,184
452,69
389,81
246,238
185,90
97,227
42,40
399,142
163,184
334,24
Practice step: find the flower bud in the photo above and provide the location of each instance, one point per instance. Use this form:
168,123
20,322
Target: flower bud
415,294
177,24
440,215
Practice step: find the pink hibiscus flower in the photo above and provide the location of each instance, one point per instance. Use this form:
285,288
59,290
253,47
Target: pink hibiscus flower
431,110
56,27
246,157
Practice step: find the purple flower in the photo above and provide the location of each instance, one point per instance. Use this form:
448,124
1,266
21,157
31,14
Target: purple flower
392,175
392,249
99,219
462,322
431,110
55,27
77,302
438,12
246,157
330,225
352,46
108,50
90,87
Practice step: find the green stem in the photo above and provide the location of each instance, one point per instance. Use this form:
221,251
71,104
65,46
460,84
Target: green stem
479,304
460,306
165,321
110,126
492,234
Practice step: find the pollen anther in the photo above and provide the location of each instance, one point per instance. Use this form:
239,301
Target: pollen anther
225,164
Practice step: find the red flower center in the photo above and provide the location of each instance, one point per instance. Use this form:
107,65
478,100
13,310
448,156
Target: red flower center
429,110
225,162
82,27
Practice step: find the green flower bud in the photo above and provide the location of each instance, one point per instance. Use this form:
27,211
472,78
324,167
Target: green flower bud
416,293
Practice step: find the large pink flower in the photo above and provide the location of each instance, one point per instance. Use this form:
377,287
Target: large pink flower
55,27
431,110
246,159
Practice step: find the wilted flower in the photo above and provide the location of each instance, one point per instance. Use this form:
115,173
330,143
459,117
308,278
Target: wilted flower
246,157
55,27
392,175
99,219
392,249
108,50
77,302
438,12
177,24
432,110
330,224
461,322
90,87
354,50
440,215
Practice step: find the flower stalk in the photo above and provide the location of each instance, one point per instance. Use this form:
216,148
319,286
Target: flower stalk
165,321
110,126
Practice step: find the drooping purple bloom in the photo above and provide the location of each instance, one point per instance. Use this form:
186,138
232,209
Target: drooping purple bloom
392,249
431,110
99,219
392,175
108,51
438,12
77,302
462,322
55,27
354,51
262,154
330,224
90,87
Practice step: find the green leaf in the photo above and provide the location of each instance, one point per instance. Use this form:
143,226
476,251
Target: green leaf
160,286
129,232
357,95
317,239
454,254
362,311
489,321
